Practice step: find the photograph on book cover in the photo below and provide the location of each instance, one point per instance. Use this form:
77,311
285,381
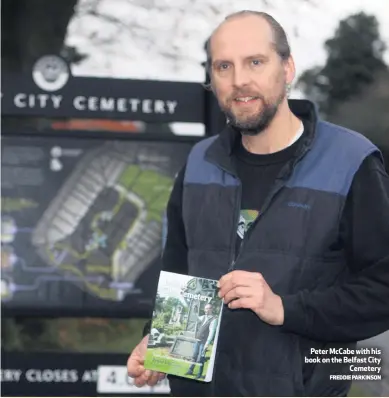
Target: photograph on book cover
185,326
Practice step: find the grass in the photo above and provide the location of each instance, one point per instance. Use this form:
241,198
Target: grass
152,187
169,364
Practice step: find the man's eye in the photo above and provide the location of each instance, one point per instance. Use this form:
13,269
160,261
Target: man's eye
256,62
223,66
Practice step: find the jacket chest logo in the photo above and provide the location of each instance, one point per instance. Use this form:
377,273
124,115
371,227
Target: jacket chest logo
247,217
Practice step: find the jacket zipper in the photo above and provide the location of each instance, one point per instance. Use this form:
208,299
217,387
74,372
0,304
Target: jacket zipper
233,237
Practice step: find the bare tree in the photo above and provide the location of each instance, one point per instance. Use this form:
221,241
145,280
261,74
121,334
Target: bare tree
368,112
153,38
32,28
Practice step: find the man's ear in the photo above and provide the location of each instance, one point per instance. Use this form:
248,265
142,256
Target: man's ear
290,70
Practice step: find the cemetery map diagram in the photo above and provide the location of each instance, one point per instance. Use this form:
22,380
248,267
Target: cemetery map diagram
81,216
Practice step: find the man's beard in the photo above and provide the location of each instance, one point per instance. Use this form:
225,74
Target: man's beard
255,124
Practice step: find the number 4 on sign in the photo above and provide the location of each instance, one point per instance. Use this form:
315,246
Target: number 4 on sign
112,377
115,380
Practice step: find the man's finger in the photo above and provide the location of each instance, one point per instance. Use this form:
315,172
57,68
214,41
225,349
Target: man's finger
233,284
237,292
245,302
233,274
134,368
143,378
237,276
153,379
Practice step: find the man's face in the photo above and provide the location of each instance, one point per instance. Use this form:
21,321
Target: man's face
208,309
248,76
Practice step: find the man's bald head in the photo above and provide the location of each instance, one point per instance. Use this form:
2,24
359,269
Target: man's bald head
279,40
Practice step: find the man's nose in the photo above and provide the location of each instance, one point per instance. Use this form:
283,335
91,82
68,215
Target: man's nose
241,77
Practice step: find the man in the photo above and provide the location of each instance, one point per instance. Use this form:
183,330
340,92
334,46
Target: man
205,334
308,269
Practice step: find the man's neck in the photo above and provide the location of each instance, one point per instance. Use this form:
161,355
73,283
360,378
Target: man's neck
278,134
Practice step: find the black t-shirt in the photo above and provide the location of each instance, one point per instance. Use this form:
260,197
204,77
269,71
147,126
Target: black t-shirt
257,174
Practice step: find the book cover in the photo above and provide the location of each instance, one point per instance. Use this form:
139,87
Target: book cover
185,327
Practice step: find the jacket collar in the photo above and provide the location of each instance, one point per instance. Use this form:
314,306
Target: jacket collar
220,151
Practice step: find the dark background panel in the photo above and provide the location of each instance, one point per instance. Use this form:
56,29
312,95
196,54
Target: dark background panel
29,186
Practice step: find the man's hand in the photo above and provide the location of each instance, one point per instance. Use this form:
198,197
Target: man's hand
135,366
243,289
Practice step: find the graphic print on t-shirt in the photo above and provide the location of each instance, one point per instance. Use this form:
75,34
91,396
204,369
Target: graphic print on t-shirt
247,217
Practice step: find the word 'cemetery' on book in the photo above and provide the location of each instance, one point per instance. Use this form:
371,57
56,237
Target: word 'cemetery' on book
197,297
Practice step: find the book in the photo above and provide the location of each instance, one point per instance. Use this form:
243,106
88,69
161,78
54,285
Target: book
184,327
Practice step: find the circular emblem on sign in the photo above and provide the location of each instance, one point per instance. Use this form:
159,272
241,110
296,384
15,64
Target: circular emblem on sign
50,73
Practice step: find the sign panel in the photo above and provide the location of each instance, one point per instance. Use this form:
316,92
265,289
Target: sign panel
82,223
50,89
55,375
